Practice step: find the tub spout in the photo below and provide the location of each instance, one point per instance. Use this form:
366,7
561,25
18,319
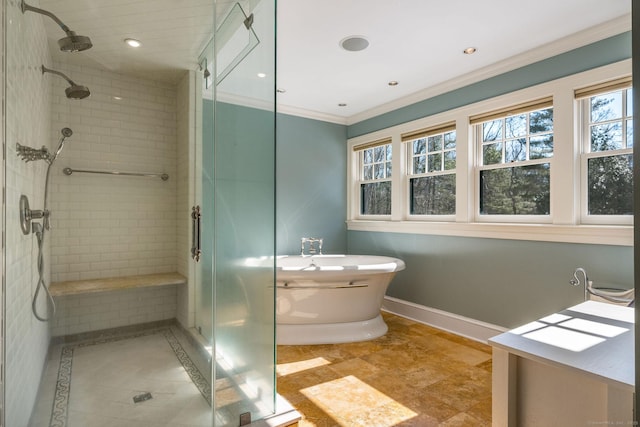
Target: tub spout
313,243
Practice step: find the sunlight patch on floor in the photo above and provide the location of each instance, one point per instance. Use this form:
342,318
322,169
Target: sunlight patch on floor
349,398
295,367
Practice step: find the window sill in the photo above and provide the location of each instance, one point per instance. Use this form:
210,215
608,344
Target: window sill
619,235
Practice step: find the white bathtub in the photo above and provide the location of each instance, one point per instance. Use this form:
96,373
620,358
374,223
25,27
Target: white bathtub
324,299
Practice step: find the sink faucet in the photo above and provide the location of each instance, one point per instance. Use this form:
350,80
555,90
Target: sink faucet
619,296
314,245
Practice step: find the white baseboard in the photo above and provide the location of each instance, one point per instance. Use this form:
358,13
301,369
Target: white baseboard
450,322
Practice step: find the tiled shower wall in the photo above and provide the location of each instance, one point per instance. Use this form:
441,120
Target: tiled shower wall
108,225
28,115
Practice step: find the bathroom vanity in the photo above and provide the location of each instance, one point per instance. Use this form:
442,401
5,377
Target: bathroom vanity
572,368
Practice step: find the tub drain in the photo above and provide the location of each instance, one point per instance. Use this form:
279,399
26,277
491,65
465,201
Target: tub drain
142,397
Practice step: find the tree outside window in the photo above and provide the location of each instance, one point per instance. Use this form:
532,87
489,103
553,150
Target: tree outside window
375,180
514,176
609,153
432,175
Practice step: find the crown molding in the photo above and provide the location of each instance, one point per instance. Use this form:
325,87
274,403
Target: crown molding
267,105
582,38
310,114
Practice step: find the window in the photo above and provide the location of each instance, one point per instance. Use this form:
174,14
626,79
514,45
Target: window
375,177
432,170
544,163
607,159
515,147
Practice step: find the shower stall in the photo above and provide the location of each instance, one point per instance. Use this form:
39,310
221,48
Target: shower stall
212,221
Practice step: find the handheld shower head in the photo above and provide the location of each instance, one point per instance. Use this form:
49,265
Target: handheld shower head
66,133
71,43
74,91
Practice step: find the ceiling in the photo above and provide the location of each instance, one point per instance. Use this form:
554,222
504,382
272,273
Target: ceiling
417,43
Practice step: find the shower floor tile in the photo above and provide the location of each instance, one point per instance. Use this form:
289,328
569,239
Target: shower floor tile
415,375
93,383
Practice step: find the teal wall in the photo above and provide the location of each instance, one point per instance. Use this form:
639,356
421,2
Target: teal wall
503,282
311,186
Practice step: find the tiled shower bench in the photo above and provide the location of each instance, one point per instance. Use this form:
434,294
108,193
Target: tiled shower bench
115,283
99,304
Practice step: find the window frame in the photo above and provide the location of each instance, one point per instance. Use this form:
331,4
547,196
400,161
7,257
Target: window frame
407,141
358,151
479,166
583,108
565,225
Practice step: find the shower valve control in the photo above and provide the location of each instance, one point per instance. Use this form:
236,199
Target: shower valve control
27,215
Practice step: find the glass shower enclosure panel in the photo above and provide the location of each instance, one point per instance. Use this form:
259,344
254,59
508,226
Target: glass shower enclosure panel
203,193
244,212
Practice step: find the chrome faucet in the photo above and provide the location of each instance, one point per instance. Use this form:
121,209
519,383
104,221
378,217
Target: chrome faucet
616,296
314,244
575,281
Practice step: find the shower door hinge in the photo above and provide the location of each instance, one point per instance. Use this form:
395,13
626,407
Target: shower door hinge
195,233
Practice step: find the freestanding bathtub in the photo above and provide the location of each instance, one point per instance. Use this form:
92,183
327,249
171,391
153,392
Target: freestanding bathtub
323,299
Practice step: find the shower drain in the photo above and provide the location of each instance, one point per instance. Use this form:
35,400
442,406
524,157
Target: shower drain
142,397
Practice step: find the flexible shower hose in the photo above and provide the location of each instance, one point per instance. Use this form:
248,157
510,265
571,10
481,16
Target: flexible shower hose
41,284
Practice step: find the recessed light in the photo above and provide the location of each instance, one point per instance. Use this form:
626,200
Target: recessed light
117,98
342,104
354,43
393,83
133,42
469,50
262,75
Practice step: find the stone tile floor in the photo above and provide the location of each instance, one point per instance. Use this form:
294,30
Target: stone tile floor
92,384
415,375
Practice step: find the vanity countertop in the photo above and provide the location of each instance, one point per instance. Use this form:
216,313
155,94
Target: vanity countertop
594,338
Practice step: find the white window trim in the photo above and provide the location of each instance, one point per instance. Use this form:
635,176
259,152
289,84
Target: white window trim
599,219
585,155
407,176
353,171
565,184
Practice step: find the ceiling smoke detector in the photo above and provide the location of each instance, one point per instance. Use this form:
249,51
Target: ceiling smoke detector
354,43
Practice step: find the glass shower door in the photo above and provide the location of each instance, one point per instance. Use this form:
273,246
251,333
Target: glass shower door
244,212
203,193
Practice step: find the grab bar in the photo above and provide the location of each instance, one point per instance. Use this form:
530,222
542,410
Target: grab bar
163,176
349,285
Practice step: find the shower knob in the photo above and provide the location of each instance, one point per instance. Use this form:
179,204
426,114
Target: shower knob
25,215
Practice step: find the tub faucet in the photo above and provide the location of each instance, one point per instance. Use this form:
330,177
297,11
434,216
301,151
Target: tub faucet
314,245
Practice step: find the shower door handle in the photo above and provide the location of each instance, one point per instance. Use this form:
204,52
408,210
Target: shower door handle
195,233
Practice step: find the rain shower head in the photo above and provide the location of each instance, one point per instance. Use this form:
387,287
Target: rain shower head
71,43
77,91
74,91
74,42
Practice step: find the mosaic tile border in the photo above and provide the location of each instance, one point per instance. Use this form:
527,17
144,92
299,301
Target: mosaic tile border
59,412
